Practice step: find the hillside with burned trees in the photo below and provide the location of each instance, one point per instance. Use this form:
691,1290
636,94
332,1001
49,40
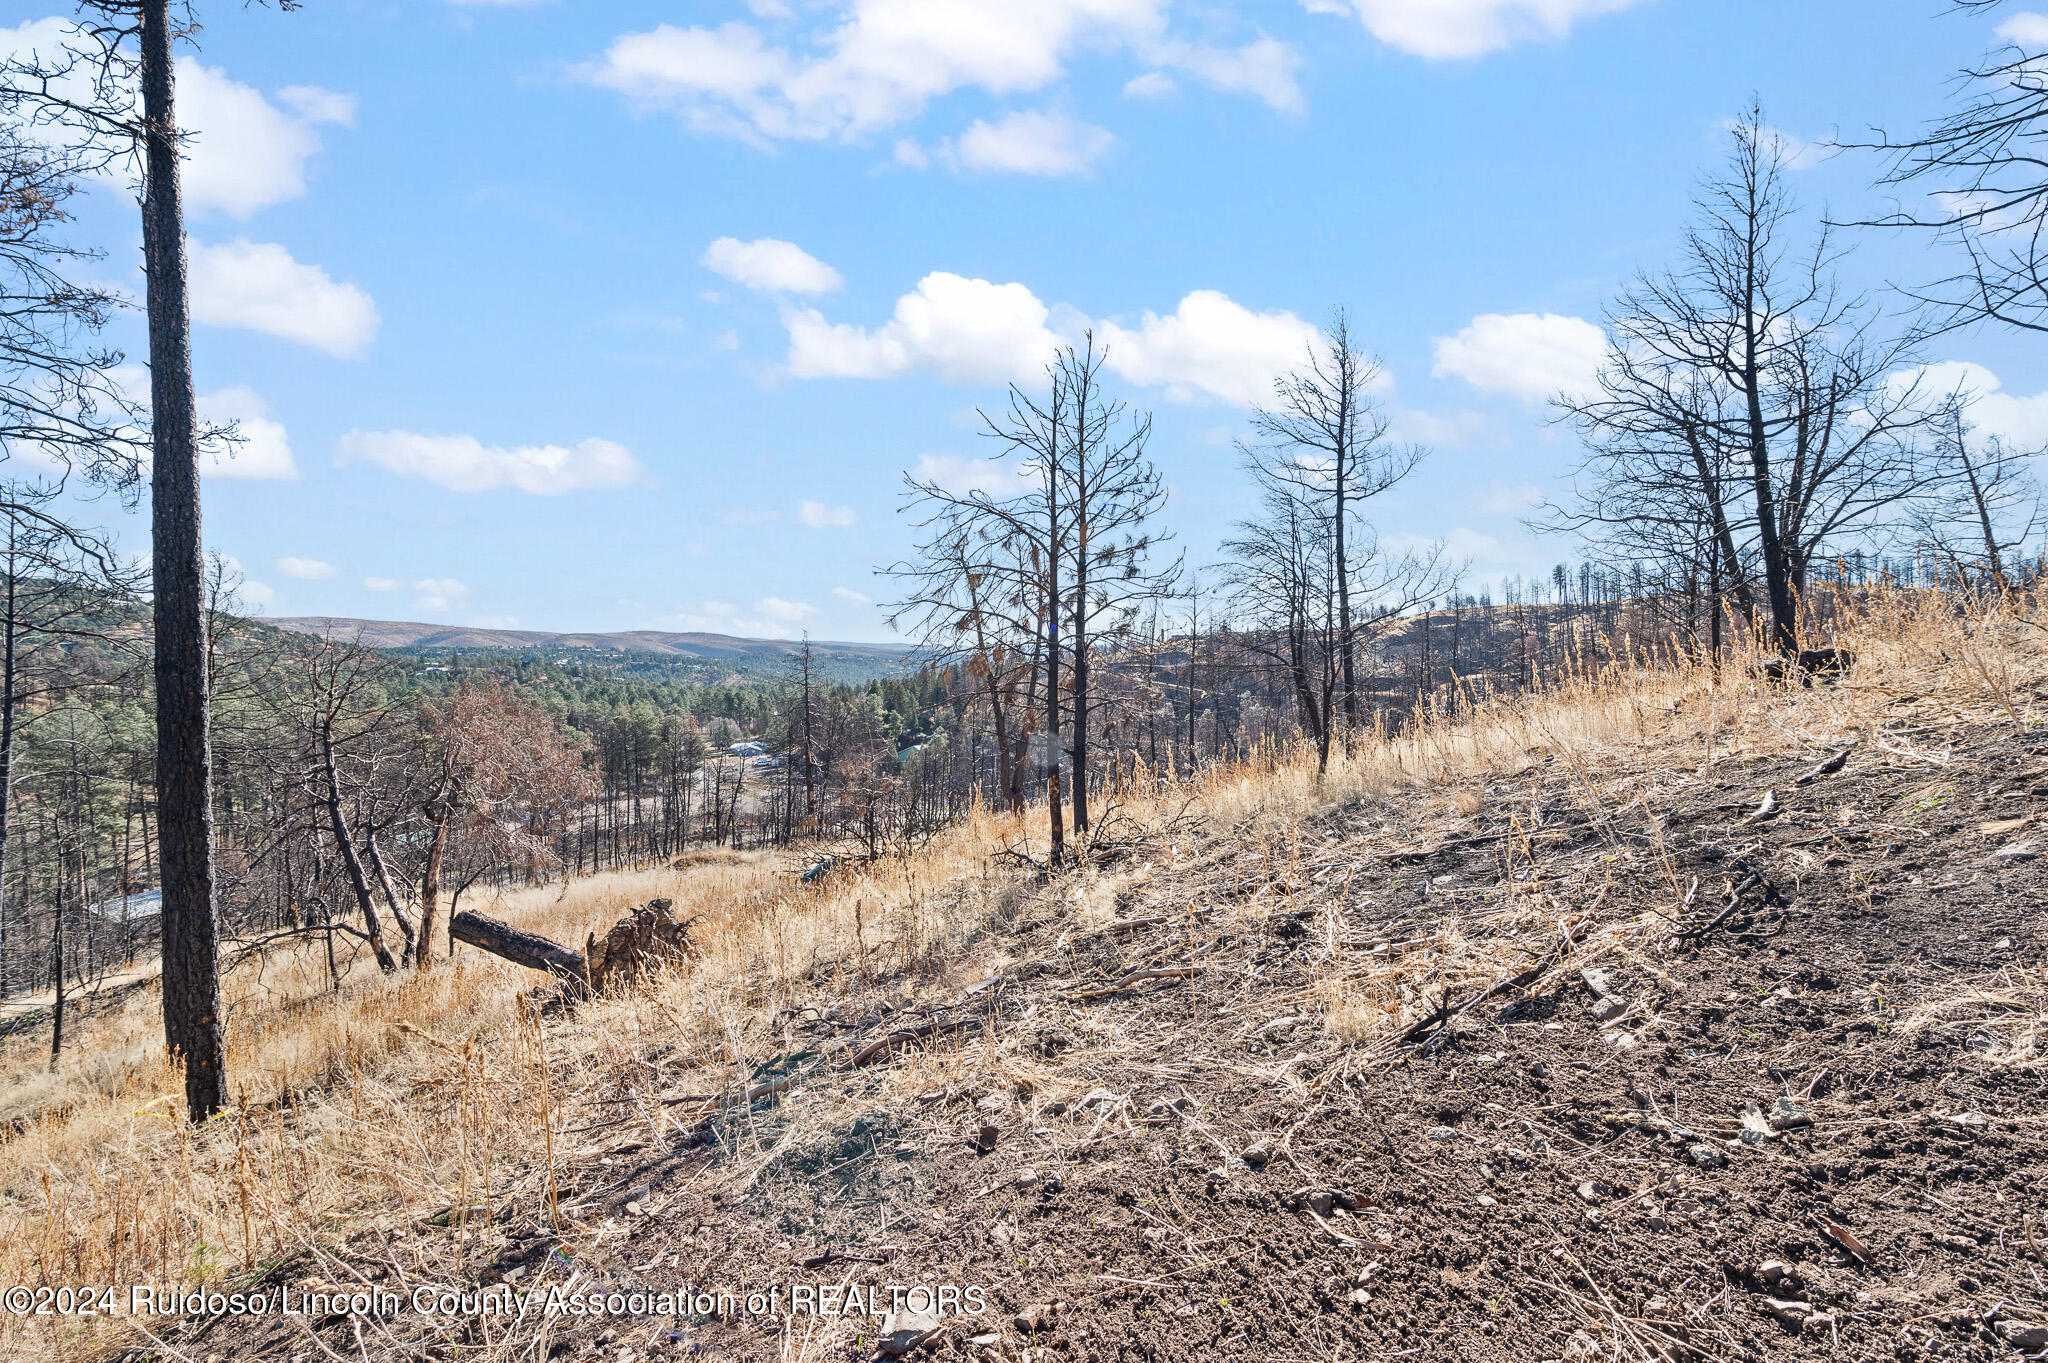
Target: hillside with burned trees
1274,861
1676,1009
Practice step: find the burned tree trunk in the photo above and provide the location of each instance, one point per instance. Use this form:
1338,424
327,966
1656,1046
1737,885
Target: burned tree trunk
430,881
344,840
184,764
413,947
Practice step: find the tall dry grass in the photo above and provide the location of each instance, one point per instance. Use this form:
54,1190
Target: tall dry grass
446,1093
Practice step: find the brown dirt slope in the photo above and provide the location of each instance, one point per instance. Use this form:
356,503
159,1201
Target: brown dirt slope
1608,1066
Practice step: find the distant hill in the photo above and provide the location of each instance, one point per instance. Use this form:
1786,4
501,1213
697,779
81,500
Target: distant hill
406,634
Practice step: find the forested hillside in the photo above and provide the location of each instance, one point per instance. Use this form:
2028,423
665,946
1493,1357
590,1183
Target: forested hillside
697,655
625,758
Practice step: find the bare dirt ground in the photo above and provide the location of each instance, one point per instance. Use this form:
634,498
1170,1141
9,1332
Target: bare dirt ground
1693,1075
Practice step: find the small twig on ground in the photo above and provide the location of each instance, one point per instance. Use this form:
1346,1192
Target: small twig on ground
1136,977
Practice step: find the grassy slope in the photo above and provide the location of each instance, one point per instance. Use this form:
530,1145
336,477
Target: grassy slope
1517,1189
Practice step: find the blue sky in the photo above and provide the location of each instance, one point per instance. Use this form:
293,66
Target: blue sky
615,316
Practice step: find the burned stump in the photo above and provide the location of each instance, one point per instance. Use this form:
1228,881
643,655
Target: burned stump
1808,664
647,935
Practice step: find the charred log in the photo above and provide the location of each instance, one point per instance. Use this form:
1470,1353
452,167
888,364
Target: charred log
646,936
522,948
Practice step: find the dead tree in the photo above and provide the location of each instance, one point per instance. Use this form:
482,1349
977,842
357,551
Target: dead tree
1987,178
1283,572
1114,495
1013,554
1746,392
970,599
326,700
1985,507
1045,578
122,51
191,928
495,777
1324,441
1280,570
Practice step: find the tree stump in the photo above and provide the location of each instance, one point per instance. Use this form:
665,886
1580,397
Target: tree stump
647,935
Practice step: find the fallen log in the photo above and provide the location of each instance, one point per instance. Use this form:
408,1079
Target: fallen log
523,948
648,934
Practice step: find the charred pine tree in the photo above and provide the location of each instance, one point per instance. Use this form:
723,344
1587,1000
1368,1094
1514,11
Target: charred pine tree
1746,392
1113,494
1985,507
1325,441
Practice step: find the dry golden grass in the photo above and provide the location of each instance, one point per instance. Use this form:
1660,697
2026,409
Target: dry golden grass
393,1100
2005,1021
1623,739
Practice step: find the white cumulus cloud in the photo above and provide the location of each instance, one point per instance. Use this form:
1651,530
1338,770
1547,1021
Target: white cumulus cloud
770,266
819,516
872,64
261,451
1209,347
852,597
462,463
975,331
2026,29
963,330
381,584
1264,69
305,569
243,153
246,153
1033,142
1440,29
1528,356
257,286
2018,419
